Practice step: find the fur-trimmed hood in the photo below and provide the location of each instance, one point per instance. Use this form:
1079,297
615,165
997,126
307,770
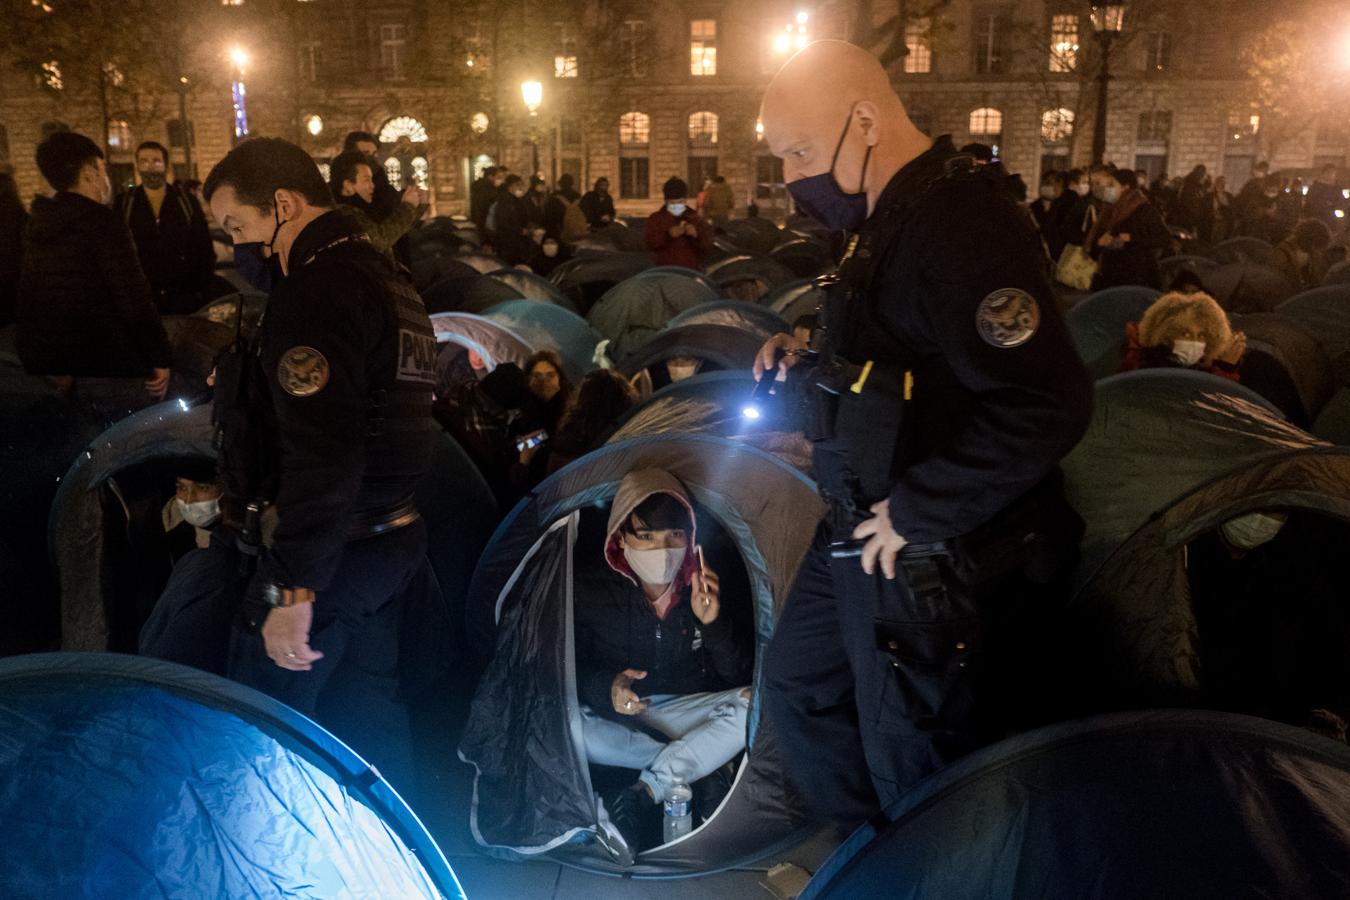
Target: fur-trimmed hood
636,487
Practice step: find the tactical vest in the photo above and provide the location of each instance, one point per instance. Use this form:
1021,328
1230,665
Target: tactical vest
864,381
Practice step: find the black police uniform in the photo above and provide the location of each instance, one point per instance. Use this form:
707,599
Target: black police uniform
948,386
330,424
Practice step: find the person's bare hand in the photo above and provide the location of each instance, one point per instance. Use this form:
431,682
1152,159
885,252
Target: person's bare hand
882,542
528,454
621,694
413,196
706,596
158,386
773,354
1105,240
285,634
1236,349
1123,238
677,230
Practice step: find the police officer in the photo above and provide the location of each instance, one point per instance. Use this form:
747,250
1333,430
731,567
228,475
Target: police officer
940,391
325,426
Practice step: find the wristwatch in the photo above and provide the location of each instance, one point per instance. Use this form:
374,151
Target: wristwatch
279,596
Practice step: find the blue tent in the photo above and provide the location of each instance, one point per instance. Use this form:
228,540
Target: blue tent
544,326
533,287
1097,325
1152,804
735,314
631,312
129,778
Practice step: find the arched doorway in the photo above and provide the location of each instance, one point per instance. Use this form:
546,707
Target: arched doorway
403,148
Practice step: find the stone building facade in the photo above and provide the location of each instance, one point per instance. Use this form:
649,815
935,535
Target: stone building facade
637,92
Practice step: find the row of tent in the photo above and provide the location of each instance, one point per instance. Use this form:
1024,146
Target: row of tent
1228,453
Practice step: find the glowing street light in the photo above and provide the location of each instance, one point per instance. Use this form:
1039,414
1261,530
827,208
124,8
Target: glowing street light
794,35
239,59
239,56
314,125
532,92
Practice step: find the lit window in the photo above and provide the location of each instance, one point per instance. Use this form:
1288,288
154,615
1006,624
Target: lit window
565,60
478,122
1056,125
919,58
986,121
635,129
231,2
51,75
326,171
1243,125
119,134
394,170
419,172
1063,42
703,129
703,46
393,50
113,75
633,48
400,127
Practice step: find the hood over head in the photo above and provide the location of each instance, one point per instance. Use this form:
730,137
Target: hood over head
636,487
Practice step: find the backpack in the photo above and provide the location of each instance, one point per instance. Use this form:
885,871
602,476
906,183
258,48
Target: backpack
574,224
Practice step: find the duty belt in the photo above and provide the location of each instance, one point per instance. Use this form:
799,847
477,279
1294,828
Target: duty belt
369,524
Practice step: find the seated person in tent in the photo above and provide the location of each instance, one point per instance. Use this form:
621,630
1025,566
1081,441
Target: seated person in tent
656,654
1187,331
681,367
195,508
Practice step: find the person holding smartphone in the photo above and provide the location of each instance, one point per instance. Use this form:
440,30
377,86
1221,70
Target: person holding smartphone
676,234
656,654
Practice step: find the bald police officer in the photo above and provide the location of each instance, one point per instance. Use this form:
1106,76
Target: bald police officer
944,393
325,423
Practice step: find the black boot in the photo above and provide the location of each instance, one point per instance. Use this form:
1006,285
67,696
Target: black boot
632,812
712,789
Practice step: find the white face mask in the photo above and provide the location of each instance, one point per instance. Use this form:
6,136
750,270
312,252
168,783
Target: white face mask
1047,192
202,514
676,209
1251,531
655,566
1110,194
1188,353
680,373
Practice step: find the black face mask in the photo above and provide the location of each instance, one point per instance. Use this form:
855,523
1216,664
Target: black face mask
260,271
153,180
821,197
276,217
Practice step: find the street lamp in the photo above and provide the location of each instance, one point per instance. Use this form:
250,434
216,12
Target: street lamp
239,59
532,92
794,36
1108,19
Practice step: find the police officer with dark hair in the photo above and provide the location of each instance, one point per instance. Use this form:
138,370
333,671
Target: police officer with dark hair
941,391
325,426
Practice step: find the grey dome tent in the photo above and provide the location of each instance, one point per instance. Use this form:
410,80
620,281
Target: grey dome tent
805,258
733,314
1155,435
1244,250
457,332
683,271
533,792
1247,287
543,326
1172,266
713,403
754,235
455,503
719,346
1097,325
588,276
427,270
633,311
471,294
1286,365
1151,804
1338,274
532,287
126,777
616,237
746,277
226,309
1173,618
1324,313
795,299
481,263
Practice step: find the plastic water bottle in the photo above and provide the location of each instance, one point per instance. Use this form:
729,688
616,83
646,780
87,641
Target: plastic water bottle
679,817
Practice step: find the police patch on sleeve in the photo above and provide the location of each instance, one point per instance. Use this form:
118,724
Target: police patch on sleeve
302,372
1008,317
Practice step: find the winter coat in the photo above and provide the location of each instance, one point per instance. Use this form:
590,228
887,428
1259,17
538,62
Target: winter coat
85,306
12,223
597,206
1135,261
1137,356
1050,219
555,216
175,250
508,218
616,627
384,233
681,251
720,202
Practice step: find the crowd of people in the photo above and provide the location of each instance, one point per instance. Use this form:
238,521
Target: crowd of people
92,277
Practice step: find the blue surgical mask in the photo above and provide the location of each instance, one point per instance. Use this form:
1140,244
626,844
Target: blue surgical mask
821,197
676,209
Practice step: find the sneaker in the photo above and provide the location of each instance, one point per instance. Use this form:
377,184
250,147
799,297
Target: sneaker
631,811
711,790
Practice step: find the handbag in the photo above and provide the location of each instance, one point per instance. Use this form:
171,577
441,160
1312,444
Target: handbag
1075,268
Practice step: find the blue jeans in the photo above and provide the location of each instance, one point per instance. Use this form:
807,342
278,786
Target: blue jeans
705,731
